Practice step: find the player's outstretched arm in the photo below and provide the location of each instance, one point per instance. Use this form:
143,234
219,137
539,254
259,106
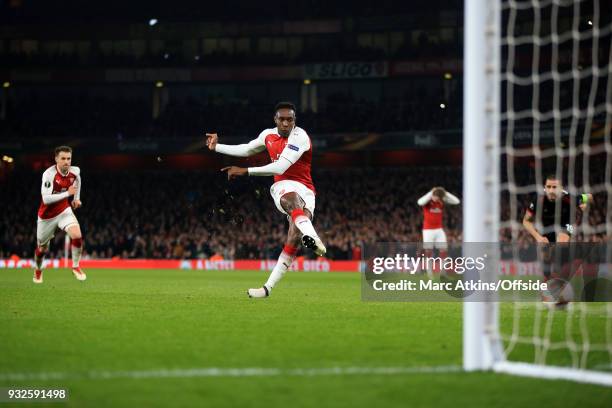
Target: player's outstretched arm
242,150
275,168
451,199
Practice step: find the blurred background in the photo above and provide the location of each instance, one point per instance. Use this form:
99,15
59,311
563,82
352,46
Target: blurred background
133,87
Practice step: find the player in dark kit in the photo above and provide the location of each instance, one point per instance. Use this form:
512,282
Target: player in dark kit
545,206
557,261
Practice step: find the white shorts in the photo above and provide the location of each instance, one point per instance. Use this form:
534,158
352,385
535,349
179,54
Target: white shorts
45,229
434,238
283,187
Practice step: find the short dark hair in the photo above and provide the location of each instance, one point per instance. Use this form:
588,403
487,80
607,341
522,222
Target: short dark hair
439,192
66,149
552,176
284,105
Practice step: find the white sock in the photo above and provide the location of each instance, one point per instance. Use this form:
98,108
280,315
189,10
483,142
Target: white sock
76,254
303,223
284,262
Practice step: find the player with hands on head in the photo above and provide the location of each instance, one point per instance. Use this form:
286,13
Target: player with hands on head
434,236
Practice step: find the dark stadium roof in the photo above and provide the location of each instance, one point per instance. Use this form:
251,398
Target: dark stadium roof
44,11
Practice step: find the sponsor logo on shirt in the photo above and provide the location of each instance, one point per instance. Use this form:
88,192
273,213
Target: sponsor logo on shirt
292,147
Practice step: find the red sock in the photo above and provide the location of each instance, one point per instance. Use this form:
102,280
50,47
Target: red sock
296,213
38,257
290,250
77,244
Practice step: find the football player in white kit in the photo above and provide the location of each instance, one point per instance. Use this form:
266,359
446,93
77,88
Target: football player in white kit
59,183
290,150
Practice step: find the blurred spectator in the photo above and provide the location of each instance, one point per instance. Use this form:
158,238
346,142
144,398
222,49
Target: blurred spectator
86,115
175,215
198,214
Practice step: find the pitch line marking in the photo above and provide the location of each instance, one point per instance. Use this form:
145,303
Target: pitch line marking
227,372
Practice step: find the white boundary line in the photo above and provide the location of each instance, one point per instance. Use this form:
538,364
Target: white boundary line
513,368
228,372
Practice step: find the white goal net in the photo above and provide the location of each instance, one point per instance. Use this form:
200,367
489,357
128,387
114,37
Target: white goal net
543,73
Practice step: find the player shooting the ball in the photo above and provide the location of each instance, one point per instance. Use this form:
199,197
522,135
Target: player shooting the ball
293,192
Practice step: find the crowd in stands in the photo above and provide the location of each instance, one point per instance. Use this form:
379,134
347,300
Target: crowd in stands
168,58
199,214
83,115
176,215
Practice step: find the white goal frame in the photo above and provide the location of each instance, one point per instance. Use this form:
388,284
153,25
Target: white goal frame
482,346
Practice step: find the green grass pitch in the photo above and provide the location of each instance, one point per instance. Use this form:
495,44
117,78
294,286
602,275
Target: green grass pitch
160,338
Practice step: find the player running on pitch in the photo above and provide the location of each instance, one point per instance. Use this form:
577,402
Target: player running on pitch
59,183
293,192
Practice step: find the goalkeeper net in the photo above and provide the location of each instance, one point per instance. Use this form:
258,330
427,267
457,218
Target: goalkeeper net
546,79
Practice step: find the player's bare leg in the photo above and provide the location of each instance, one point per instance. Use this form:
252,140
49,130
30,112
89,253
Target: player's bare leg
39,255
293,205
74,232
428,268
284,262
443,253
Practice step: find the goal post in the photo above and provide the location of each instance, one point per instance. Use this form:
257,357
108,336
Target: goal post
480,163
536,104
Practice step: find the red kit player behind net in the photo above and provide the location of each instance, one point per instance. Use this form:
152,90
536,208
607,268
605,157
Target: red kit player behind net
59,183
293,192
433,230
